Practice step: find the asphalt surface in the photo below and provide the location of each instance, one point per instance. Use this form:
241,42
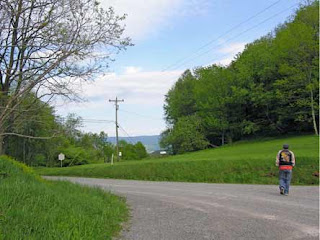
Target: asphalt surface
195,211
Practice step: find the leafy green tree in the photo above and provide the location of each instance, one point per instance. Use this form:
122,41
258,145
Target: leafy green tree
108,150
256,70
74,155
186,136
140,150
180,100
297,49
98,146
212,94
132,151
32,117
271,88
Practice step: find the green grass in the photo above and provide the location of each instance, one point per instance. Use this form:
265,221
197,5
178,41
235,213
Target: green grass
244,162
32,208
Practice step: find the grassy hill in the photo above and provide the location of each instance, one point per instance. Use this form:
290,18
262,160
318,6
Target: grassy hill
32,208
244,162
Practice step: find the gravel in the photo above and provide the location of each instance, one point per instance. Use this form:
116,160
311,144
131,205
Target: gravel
189,211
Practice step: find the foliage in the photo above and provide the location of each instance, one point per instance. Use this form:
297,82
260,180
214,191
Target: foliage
297,52
271,88
74,155
79,148
186,135
251,162
180,99
132,151
33,117
47,47
31,208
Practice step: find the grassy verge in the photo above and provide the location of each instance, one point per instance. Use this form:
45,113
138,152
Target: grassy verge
244,162
32,208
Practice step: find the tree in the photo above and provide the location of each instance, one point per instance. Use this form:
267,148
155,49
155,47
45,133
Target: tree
140,150
185,136
271,88
97,145
297,50
255,71
48,46
70,127
180,100
212,93
36,120
132,151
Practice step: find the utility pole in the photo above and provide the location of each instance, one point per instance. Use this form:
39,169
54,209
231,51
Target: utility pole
117,126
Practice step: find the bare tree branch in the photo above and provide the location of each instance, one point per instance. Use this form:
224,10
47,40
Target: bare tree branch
26,136
46,46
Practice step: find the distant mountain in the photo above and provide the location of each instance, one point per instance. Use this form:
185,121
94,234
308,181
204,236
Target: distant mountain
151,143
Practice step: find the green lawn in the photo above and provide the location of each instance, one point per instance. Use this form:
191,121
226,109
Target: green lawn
32,208
244,162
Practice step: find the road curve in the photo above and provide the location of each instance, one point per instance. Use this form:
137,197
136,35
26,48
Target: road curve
189,211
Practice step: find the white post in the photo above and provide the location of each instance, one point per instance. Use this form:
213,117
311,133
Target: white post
112,159
61,158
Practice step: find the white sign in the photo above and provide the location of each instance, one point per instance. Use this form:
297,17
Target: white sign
120,154
61,156
163,152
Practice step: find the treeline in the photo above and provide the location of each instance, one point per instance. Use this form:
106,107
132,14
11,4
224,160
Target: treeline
58,135
271,88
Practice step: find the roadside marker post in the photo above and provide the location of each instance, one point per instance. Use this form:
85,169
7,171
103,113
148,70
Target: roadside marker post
61,157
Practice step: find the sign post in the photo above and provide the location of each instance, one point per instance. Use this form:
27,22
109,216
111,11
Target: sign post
61,158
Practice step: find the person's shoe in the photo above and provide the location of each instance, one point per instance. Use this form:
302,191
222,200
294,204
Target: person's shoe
282,190
286,194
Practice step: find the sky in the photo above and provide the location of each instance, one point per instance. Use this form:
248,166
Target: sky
169,36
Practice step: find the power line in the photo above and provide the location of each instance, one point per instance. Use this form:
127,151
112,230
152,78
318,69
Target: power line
97,120
225,33
228,40
130,138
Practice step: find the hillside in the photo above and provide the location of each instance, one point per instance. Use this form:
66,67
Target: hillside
243,162
33,208
151,143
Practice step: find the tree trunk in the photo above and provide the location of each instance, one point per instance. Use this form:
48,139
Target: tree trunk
313,114
315,127
24,151
222,140
1,145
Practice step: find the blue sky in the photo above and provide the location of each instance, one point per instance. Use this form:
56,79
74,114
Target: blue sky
167,35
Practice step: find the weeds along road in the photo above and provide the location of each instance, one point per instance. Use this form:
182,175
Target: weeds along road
174,211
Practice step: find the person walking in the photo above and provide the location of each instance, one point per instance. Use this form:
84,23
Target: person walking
285,160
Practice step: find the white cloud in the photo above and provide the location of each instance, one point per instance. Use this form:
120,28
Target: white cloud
229,52
233,48
132,70
136,86
143,93
147,17
226,61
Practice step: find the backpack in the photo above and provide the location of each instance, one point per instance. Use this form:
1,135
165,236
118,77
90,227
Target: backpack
285,157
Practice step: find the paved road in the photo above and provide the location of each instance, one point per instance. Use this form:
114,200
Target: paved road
195,211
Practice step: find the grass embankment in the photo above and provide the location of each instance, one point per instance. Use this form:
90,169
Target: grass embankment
244,162
32,208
